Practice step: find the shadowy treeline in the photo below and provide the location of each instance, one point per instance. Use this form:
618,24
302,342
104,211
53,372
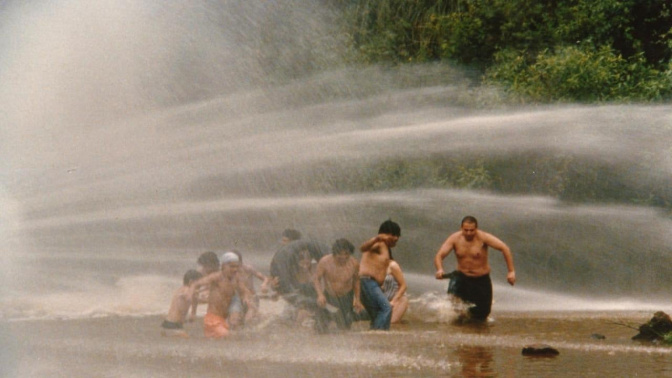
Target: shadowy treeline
563,177
537,50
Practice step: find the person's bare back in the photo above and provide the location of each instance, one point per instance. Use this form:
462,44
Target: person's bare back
183,298
376,256
179,306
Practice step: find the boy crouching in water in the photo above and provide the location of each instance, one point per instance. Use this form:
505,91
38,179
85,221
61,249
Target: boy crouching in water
224,285
183,298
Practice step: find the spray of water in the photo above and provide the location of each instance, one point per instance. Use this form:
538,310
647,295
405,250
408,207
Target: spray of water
154,131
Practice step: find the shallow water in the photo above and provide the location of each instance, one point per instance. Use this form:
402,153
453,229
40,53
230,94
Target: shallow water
138,134
132,347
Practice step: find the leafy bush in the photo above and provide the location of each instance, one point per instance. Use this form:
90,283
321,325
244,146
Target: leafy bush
668,338
540,50
579,73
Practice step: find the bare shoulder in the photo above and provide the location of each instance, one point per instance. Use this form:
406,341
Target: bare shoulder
249,268
210,277
490,239
394,265
184,291
325,260
454,237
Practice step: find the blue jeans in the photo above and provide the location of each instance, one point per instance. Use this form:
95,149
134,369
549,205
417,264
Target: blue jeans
376,304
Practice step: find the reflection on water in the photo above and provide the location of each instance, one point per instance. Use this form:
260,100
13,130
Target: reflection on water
476,361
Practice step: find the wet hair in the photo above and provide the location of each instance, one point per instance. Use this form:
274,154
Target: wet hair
390,227
191,276
342,245
209,259
291,234
469,219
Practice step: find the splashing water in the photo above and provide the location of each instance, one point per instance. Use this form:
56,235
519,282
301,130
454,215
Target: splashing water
136,135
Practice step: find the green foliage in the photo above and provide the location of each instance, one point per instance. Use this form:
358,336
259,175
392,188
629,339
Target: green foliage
540,50
668,338
580,73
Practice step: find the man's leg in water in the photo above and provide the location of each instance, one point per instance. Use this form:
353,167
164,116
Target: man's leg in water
376,304
345,311
476,291
481,297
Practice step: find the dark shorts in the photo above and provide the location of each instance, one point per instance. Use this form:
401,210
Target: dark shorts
474,290
171,325
343,317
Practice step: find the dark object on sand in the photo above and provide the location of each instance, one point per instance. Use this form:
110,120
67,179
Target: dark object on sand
655,329
540,350
597,336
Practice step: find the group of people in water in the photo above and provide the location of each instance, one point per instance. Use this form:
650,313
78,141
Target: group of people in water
328,286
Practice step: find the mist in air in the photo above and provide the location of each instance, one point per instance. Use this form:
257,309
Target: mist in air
138,134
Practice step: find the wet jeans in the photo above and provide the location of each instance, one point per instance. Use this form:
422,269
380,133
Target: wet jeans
376,304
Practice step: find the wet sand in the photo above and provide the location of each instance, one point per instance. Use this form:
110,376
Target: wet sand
133,347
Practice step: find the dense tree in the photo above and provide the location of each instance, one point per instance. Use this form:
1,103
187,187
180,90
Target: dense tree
542,50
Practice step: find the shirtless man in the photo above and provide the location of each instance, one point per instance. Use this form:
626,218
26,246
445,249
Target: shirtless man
376,256
223,287
471,281
183,298
340,274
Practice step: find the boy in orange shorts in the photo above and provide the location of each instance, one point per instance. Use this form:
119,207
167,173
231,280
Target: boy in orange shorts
223,287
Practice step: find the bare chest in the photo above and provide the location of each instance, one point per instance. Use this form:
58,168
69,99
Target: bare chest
343,273
474,250
223,288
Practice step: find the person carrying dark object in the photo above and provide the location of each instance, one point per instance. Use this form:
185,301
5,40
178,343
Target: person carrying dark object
337,286
471,281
